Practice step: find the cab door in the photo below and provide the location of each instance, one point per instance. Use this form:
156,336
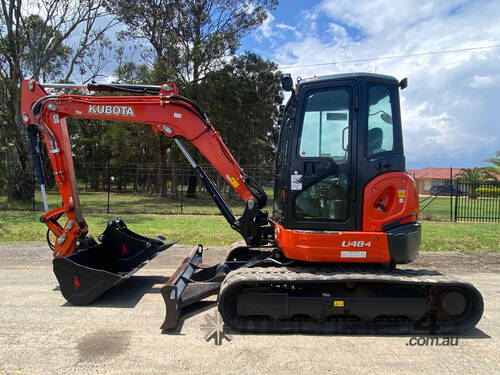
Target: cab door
321,186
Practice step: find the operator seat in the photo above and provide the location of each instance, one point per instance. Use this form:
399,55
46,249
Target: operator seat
375,138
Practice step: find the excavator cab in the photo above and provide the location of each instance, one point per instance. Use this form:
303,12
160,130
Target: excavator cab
338,134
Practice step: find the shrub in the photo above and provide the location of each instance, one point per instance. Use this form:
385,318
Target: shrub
488,191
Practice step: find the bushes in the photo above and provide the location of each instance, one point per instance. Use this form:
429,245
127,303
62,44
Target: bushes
488,191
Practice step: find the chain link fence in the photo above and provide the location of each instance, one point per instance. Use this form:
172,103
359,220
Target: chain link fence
150,188
144,188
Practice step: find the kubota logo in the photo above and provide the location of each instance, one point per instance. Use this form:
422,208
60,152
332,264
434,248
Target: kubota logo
111,110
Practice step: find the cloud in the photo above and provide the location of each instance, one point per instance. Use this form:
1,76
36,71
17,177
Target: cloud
484,82
448,108
283,26
338,32
266,29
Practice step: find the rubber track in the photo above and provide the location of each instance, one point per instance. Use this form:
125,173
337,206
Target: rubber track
301,275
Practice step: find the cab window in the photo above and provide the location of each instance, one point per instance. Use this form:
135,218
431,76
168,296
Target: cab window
325,128
380,130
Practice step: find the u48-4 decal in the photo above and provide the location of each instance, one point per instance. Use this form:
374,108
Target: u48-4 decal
356,244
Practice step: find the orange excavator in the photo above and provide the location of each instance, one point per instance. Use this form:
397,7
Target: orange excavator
345,213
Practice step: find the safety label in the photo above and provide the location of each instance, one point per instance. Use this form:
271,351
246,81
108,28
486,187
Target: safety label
296,182
233,182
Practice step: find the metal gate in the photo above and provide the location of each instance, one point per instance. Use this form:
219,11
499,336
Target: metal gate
477,201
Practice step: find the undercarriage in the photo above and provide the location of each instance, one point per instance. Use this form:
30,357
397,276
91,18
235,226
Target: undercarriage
267,293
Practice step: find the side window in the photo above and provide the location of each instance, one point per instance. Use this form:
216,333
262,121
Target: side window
380,136
325,129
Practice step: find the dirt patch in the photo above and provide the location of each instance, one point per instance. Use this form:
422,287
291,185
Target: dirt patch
103,345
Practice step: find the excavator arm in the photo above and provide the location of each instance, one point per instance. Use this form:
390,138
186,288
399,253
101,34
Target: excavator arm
167,113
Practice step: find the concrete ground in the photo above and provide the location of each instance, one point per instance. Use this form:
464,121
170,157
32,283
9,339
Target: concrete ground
119,334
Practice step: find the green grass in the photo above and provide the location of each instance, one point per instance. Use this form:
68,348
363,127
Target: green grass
449,236
120,203
439,208
21,226
140,203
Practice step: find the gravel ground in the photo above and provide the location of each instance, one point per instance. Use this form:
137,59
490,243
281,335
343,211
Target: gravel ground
119,334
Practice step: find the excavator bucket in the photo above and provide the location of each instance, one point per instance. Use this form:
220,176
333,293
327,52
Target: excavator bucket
91,271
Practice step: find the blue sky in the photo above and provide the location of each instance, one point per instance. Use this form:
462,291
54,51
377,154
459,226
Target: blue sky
449,109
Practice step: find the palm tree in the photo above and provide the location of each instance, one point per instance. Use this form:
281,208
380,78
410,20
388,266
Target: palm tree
496,161
474,177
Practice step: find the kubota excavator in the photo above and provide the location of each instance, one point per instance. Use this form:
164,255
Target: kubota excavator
345,213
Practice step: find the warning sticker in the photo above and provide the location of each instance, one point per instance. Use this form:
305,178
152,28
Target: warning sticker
296,182
233,182
338,303
401,194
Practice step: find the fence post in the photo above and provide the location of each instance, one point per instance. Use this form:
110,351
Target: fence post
109,184
182,192
456,201
451,194
34,183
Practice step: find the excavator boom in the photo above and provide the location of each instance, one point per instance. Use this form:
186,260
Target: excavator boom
165,111
85,268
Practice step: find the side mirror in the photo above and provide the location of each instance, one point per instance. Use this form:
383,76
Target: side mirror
403,84
287,82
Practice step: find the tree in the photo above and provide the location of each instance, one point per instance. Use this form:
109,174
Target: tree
474,176
37,45
191,37
242,101
64,18
495,169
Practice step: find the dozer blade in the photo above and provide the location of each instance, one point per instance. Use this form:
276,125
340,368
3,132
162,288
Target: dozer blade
189,284
193,282
93,270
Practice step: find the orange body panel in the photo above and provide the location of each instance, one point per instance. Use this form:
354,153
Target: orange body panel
346,247
389,198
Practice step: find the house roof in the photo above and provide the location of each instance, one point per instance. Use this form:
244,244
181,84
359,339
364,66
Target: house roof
430,173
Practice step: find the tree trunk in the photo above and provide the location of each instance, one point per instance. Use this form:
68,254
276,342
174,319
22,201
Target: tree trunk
191,190
174,185
8,167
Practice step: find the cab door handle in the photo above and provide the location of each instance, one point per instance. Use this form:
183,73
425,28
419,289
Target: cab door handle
344,147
